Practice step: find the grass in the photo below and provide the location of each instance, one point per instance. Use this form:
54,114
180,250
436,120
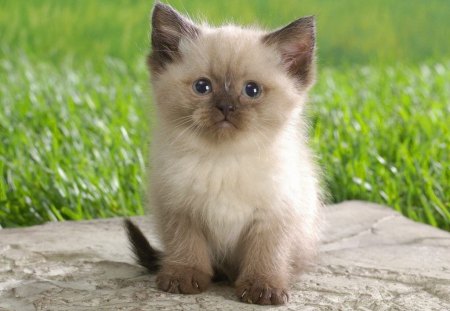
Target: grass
72,141
349,31
383,136
74,102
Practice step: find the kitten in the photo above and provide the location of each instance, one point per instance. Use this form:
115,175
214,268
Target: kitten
233,187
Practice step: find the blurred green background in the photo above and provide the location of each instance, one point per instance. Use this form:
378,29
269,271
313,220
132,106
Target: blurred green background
75,102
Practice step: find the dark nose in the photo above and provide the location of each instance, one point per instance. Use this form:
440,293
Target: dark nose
226,108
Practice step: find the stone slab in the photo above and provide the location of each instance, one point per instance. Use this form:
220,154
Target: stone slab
371,258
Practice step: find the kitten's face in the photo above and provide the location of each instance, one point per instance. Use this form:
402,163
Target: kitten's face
221,83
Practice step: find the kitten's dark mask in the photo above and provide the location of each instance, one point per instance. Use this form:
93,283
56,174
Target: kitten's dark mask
230,83
225,107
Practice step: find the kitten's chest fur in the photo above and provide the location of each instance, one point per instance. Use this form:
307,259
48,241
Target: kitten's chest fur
222,192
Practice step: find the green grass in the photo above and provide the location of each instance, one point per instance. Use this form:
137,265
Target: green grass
383,135
75,101
71,141
349,31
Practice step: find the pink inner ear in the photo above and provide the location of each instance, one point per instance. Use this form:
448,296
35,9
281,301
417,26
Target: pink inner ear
293,52
296,43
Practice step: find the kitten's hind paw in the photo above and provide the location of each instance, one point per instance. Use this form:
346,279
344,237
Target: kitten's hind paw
262,293
182,280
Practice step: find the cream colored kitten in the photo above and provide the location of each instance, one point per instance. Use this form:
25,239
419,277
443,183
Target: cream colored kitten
233,186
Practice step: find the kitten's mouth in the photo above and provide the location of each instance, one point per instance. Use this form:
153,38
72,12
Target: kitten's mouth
225,124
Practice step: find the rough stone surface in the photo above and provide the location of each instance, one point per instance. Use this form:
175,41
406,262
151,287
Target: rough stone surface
371,258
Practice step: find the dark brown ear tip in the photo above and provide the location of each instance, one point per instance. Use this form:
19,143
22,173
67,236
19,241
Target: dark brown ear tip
308,21
161,8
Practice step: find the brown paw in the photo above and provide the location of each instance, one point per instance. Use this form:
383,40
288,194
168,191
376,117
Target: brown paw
261,292
182,280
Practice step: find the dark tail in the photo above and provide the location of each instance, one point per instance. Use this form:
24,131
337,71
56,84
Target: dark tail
144,253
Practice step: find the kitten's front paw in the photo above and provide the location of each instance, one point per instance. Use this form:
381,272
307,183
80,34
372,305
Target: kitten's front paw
179,279
261,292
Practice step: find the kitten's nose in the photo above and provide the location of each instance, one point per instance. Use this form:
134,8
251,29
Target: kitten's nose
226,108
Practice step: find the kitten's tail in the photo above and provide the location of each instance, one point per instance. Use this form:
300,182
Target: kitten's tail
144,253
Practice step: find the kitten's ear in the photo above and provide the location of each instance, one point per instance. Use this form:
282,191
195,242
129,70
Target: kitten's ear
168,28
296,44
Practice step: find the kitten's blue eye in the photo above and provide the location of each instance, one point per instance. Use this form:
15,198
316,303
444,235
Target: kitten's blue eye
252,89
202,86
